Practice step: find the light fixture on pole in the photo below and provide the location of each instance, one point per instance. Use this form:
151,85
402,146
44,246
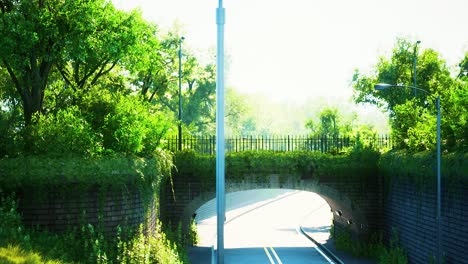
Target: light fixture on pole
220,144
180,94
383,86
415,59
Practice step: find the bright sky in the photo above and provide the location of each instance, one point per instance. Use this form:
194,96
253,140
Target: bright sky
298,49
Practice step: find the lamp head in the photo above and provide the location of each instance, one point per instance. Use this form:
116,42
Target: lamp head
382,86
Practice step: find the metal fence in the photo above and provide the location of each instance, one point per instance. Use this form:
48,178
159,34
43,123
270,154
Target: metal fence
207,144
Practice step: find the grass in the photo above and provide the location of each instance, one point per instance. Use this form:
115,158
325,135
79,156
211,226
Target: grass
16,255
374,248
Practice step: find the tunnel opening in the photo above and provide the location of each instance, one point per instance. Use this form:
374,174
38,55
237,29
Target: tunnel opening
266,218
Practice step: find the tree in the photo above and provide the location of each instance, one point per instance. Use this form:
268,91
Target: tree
239,114
83,40
412,117
98,39
154,69
463,74
31,42
330,124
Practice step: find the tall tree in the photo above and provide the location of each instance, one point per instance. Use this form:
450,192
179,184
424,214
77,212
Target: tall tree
330,124
412,117
32,40
83,40
153,64
99,37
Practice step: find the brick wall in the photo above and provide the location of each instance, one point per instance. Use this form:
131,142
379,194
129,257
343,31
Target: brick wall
56,209
412,213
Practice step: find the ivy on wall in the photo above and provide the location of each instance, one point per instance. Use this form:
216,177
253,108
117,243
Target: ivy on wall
262,164
421,168
116,170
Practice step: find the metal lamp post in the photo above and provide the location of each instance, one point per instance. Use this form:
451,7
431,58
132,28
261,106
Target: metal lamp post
180,93
383,86
220,144
415,59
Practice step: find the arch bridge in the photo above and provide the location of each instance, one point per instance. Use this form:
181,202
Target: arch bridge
356,202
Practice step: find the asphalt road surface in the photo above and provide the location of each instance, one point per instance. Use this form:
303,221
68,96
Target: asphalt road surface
263,226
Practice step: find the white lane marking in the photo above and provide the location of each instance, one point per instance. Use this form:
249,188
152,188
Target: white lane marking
323,255
269,256
316,248
276,255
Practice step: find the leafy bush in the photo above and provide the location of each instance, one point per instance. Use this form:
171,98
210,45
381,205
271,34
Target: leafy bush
101,123
65,133
110,171
394,254
10,143
374,248
133,127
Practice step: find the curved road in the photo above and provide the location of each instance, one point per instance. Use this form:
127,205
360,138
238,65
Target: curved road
263,226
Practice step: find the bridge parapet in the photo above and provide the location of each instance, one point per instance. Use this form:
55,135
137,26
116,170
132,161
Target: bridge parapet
356,201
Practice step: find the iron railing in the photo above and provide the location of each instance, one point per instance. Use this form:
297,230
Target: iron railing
207,144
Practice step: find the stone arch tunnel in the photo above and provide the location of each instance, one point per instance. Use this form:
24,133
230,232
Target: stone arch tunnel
356,205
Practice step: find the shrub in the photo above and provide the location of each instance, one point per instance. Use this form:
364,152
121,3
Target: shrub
117,170
374,248
133,127
65,133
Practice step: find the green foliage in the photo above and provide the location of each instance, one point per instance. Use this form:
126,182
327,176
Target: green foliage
395,254
9,219
16,255
98,37
193,234
65,133
420,168
155,248
329,124
103,123
374,248
456,111
84,245
412,113
262,164
133,127
81,40
332,124
10,139
115,171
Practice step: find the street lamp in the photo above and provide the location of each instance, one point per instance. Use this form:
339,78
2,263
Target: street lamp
180,93
220,144
383,86
415,58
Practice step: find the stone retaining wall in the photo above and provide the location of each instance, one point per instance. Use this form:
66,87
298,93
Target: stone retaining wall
57,210
412,213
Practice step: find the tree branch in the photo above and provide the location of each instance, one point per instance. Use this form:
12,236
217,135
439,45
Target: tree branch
167,105
102,71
